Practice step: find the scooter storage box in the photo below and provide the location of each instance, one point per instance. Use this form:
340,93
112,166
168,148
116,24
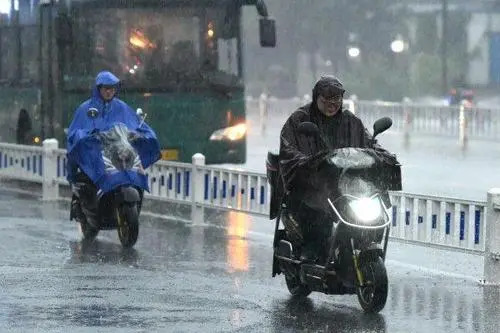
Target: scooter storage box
274,180
272,166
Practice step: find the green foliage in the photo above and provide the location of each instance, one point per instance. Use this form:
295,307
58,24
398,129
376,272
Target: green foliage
426,37
325,26
426,73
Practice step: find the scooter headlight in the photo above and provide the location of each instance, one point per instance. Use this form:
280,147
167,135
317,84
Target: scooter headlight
366,209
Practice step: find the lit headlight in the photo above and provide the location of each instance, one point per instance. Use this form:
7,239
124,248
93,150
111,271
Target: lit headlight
232,133
366,209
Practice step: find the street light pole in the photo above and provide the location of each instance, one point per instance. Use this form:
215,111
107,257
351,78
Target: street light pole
444,47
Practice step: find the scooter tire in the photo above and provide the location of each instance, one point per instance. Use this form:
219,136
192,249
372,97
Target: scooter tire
128,224
373,296
89,232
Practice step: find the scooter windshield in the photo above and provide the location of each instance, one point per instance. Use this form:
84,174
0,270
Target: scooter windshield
356,186
117,152
352,158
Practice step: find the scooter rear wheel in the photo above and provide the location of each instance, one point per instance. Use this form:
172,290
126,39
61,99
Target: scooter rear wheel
127,217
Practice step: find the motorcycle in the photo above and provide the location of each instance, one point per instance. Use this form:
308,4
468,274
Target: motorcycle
354,185
461,96
111,161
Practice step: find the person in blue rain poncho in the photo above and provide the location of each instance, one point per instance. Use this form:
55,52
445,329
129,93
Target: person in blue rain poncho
111,110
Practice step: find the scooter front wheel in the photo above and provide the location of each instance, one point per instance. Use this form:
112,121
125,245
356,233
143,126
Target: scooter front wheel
373,295
127,217
89,232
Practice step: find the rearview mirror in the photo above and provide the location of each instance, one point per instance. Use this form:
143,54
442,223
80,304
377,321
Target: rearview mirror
267,32
308,128
142,116
92,113
381,125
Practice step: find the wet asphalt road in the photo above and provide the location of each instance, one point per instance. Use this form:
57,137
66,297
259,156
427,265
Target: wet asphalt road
210,278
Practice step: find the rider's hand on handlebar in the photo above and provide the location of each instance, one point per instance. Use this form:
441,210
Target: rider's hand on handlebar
315,161
139,133
133,136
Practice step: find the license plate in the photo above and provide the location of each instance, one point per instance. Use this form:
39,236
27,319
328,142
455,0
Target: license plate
170,154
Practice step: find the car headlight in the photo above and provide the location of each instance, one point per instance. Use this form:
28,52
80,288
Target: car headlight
232,133
366,209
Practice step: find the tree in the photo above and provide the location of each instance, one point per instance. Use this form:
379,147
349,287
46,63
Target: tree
324,26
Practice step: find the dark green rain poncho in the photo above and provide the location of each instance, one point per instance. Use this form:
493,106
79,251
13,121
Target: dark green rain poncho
299,152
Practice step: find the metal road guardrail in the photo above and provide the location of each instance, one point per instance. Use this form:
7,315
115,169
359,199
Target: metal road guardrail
461,121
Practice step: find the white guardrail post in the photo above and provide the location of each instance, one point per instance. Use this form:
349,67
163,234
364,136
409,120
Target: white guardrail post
406,122
492,239
462,131
198,188
50,185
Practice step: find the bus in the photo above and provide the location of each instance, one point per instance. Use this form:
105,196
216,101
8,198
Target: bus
180,61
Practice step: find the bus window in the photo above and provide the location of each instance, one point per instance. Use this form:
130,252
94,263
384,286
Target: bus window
221,63
227,56
145,47
152,48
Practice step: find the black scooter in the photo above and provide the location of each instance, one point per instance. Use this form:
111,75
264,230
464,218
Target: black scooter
118,208
356,193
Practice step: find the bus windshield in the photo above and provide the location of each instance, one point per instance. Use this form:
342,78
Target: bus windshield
152,48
